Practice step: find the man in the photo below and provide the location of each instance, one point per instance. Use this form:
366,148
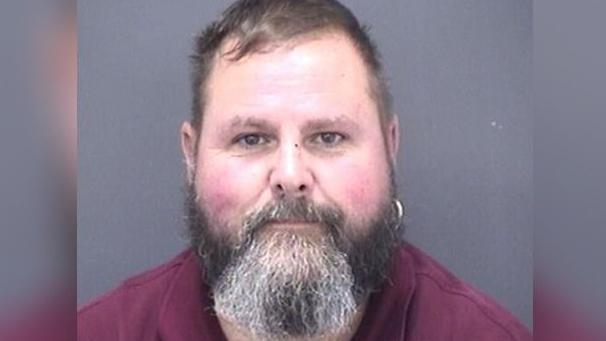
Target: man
292,208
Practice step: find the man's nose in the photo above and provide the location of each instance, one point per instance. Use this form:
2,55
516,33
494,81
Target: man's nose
290,175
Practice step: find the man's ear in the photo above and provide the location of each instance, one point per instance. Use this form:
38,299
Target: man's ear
189,138
393,138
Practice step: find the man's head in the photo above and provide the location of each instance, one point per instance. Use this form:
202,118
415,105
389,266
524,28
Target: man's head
255,26
290,155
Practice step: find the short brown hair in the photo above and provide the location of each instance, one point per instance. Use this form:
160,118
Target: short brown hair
257,24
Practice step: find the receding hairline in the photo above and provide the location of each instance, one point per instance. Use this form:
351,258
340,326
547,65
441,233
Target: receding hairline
282,42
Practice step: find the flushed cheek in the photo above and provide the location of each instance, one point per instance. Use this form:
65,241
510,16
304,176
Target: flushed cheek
361,193
359,188
217,198
225,191
366,195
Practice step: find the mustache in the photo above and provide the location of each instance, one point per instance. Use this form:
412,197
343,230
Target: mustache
300,210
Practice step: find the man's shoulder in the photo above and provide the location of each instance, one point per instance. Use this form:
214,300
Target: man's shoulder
442,299
137,300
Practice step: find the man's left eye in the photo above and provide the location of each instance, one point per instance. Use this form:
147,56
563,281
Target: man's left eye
328,138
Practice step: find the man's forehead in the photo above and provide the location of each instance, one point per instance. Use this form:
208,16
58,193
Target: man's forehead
324,77
324,56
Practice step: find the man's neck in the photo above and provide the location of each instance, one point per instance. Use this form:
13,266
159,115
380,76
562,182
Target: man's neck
234,333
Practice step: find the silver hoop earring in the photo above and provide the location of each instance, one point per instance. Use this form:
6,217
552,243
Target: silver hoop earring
400,208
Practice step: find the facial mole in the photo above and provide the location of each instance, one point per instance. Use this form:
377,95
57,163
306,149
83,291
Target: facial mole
296,145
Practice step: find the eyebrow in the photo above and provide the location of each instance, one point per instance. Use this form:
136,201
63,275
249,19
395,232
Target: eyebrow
313,125
331,123
249,122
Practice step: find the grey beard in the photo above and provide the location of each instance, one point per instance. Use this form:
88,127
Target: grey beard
283,284
287,285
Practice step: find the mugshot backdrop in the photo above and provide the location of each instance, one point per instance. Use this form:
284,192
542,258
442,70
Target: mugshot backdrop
460,74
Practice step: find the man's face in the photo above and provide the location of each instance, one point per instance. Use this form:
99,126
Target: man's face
296,121
291,186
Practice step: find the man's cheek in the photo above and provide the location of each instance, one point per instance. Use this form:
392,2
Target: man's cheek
226,188
218,199
361,190
365,195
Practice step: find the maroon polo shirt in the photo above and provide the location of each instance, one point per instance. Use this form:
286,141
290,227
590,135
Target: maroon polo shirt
420,300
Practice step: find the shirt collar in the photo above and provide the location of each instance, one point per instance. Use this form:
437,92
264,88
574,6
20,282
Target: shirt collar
386,313
186,313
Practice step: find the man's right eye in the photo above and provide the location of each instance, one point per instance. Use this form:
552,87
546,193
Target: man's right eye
251,140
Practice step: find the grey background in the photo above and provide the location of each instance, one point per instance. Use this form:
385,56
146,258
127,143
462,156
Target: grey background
461,78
